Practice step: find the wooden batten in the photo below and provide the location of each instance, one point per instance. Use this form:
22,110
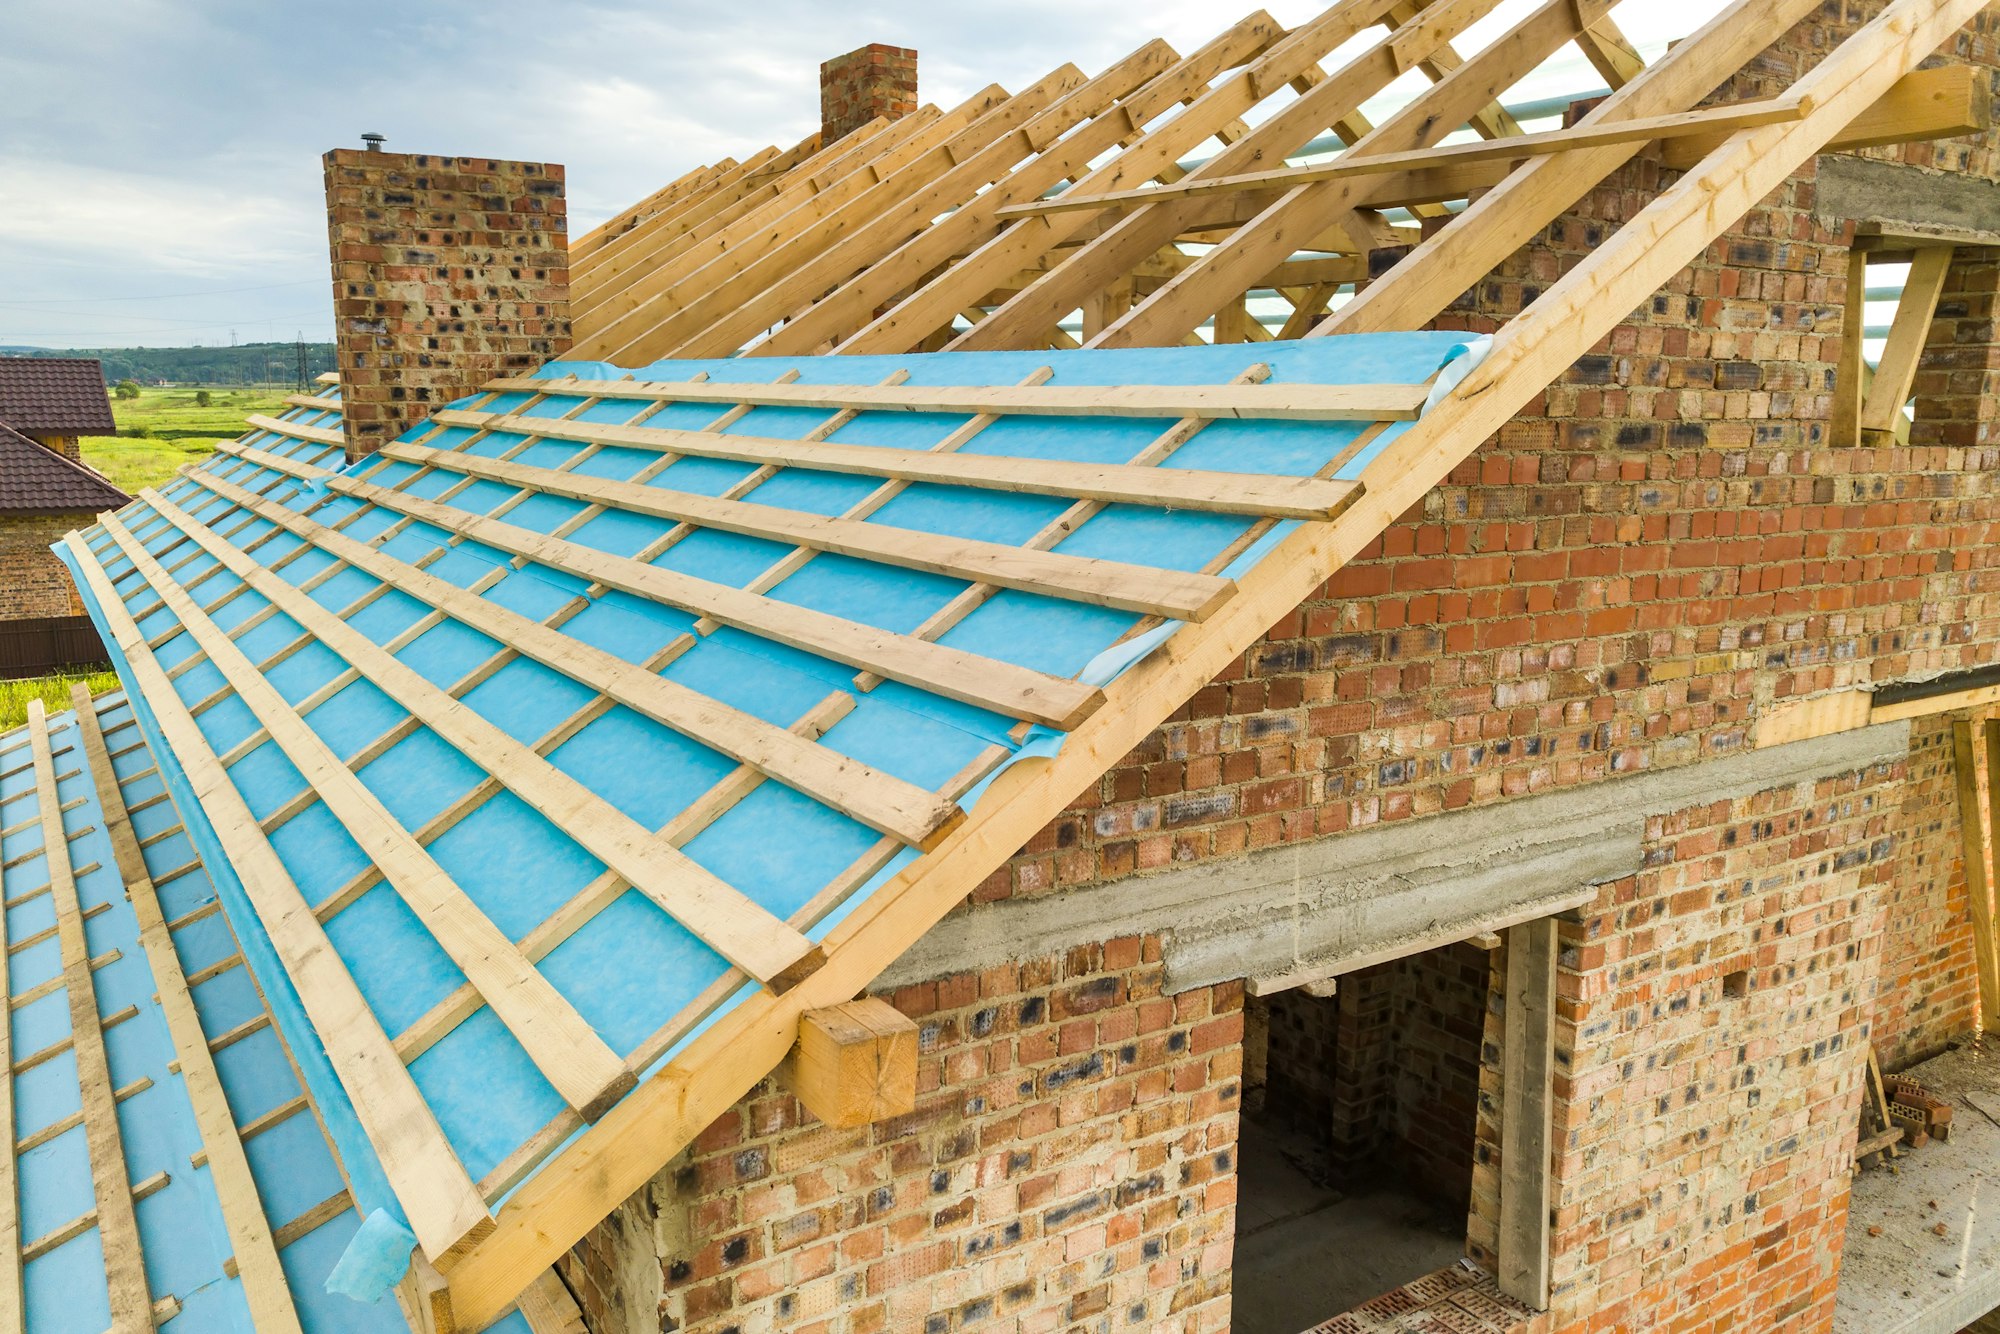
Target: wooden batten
266,1289
855,1064
117,1221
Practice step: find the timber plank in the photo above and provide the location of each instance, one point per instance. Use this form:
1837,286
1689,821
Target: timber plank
1262,495
1013,691
124,1258
727,920
266,1290
437,1195
880,800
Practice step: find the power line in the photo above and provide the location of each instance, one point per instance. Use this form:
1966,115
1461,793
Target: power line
166,296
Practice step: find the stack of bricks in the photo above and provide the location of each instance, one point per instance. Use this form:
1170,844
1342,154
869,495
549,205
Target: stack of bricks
875,80
447,272
1070,1163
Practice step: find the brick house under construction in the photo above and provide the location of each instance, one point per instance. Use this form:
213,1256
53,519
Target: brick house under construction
801,761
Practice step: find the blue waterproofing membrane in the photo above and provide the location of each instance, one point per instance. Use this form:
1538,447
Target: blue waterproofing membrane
633,969
181,1227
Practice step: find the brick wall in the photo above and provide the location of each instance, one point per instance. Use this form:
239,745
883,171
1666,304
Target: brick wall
875,80
1657,549
1071,1160
1703,1131
447,271
1927,995
33,583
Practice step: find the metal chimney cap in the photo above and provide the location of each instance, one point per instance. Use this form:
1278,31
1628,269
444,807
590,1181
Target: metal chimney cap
374,141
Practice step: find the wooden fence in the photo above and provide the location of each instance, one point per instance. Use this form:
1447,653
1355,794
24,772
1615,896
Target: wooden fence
43,644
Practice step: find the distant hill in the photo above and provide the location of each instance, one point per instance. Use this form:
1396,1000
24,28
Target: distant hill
251,363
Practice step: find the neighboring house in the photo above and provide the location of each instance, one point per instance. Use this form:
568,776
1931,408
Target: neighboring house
55,400
628,816
43,495
46,404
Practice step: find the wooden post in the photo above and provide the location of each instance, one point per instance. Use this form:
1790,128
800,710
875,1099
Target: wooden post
1526,1072
855,1064
1979,862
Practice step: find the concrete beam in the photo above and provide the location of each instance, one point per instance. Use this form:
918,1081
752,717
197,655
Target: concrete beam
1893,200
1284,916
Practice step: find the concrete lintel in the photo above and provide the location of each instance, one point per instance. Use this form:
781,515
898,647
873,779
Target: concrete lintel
1889,198
1311,908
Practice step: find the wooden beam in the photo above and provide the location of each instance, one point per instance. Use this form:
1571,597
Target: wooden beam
1145,589
880,800
563,1046
1973,743
266,1290
1923,104
1519,205
549,1309
438,1198
1527,1083
124,1258
885,280
1636,131
1012,691
1261,495
316,435
1278,402
1843,426
1896,371
855,1064
312,402
721,916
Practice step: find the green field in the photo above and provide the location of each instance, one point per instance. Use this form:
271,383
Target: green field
164,428
53,691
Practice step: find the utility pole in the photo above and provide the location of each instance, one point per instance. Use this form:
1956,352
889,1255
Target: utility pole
304,385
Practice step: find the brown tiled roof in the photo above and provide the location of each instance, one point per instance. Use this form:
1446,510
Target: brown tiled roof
55,394
35,479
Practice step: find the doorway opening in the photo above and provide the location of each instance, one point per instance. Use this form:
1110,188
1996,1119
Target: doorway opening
1361,1122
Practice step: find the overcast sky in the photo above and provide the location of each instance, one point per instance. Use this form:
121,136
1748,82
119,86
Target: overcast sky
159,159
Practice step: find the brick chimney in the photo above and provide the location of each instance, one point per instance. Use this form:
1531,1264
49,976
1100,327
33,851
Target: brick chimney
447,271
854,89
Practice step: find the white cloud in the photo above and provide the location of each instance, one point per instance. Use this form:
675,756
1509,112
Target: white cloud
157,146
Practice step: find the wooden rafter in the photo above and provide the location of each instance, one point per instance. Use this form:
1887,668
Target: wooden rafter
443,1207
266,1289
116,1221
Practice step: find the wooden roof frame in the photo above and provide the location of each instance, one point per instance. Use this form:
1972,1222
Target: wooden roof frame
877,243
617,1154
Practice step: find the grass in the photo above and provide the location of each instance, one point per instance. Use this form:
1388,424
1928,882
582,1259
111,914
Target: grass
164,428
53,691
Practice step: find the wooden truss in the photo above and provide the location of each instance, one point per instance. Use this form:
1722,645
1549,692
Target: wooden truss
1013,219
935,230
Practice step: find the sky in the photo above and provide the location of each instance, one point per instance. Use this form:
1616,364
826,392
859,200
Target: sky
159,159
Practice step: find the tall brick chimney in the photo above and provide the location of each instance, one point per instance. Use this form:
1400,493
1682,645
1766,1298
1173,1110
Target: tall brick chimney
854,89
447,271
